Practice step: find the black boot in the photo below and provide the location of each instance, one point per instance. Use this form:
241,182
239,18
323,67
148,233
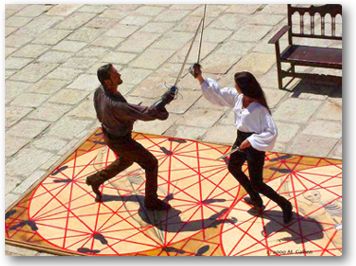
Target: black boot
95,182
287,212
156,204
258,206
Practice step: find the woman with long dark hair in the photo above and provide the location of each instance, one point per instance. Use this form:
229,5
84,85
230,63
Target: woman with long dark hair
256,134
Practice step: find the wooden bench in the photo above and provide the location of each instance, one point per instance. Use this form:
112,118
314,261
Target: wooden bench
306,55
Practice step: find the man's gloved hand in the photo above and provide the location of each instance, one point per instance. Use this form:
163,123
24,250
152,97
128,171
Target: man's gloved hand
195,70
161,114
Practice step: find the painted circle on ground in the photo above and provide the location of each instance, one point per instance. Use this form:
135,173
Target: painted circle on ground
197,185
316,228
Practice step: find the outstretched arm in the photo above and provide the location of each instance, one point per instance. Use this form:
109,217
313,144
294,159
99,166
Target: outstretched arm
212,91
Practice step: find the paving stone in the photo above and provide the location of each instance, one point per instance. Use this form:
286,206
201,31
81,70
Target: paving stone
312,89
10,199
62,10
80,63
17,21
14,113
279,147
17,40
204,118
219,63
16,62
324,128
227,119
256,63
228,21
183,6
151,87
51,163
17,251
213,11
215,35
68,96
31,50
222,134
244,9
134,75
9,51
157,127
29,181
107,41
51,36
337,151
169,71
68,128
298,111
274,96
29,100
135,20
28,128
54,57
26,161
145,59
186,132
172,40
123,31
85,109
10,184
14,144
119,57
69,46
158,27
269,79
38,25
49,143
149,10
14,88
47,86
75,21
33,10
92,51
63,73
93,8
9,30
331,110
85,34
312,145
265,19
11,9
138,42
34,72
171,15
244,33
85,82
181,105
102,22
286,131
49,112
275,9
113,13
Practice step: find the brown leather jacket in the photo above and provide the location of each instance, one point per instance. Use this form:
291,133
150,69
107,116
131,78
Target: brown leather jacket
117,116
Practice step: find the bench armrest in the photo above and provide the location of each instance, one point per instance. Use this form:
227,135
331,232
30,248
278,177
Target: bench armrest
279,34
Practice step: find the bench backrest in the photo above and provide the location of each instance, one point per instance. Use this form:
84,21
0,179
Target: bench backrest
310,31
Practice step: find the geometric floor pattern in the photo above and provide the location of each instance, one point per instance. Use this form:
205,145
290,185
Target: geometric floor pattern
209,216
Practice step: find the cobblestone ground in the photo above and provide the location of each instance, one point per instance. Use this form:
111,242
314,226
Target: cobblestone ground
53,51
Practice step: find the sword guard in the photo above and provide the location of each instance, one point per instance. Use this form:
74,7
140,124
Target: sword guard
166,98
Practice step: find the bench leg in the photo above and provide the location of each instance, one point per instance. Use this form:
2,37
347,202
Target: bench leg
279,75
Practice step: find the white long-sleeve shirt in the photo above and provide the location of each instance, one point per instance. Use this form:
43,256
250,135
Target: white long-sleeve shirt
255,118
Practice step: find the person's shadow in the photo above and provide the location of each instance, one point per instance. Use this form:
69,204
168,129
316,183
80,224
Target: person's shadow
301,229
170,221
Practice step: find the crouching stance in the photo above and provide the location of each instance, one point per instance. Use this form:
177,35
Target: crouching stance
117,117
256,133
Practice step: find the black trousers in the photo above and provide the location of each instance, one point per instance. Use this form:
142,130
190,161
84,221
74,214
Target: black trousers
255,161
130,151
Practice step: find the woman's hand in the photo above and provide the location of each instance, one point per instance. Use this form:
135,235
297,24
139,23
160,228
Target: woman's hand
245,144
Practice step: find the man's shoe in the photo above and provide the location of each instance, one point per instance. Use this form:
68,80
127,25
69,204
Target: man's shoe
94,182
258,207
157,204
287,212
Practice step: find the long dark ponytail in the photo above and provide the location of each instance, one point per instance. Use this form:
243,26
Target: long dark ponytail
250,87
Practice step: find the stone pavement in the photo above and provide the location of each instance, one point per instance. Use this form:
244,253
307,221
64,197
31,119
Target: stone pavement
53,51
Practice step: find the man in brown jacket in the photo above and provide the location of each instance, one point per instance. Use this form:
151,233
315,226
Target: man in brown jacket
117,117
